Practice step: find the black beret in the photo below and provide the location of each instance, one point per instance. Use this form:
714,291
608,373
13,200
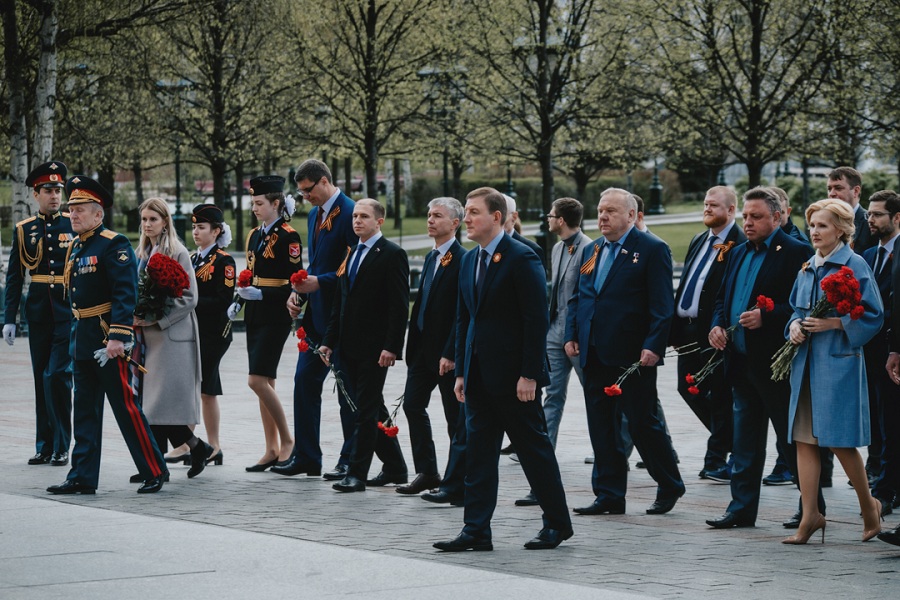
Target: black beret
208,213
266,184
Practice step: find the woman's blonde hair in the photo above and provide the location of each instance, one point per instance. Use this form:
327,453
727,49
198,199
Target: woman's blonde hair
841,215
168,241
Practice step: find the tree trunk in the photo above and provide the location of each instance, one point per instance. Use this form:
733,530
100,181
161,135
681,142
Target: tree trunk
106,177
348,176
18,135
456,188
754,170
138,172
45,92
238,207
219,169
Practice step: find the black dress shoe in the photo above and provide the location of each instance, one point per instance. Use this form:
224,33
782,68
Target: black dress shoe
339,472
603,507
547,539
140,478
70,486
662,505
261,466
151,486
891,536
729,520
292,466
199,454
59,459
350,484
464,542
794,521
421,483
382,479
40,459
529,500
217,459
442,497
185,458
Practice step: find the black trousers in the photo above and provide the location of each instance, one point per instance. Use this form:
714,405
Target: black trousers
177,434
51,366
713,406
420,383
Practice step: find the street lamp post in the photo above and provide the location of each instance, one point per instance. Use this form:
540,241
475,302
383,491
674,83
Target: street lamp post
178,218
443,94
655,206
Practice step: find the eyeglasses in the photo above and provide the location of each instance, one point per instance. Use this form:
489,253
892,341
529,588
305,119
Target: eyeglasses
878,214
557,216
305,193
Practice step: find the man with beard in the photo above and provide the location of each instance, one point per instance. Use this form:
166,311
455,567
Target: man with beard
704,268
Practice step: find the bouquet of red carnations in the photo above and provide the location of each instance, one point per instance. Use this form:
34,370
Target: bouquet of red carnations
160,283
842,296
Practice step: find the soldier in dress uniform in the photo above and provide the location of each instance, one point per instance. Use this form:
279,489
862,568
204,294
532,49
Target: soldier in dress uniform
215,273
39,247
274,253
101,280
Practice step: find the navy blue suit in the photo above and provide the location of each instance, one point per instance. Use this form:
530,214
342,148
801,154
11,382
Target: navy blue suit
326,252
631,312
501,336
39,246
758,399
424,350
884,397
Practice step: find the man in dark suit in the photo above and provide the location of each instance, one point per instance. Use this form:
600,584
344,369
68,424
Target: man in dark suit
767,265
695,301
884,400
431,347
501,337
512,218
330,226
892,536
620,315
787,224
367,326
845,183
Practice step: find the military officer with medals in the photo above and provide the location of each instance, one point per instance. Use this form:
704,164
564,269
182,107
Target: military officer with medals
101,280
274,253
215,273
39,247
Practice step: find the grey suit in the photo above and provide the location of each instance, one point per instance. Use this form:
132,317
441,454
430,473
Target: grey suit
566,265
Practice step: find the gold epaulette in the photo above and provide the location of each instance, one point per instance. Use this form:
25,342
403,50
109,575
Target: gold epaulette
23,221
109,234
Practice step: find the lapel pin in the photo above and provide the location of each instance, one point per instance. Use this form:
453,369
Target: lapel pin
496,258
636,256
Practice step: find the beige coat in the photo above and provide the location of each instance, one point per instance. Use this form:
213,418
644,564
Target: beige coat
171,387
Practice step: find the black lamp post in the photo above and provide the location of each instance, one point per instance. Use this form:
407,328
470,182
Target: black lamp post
655,206
443,93
178,218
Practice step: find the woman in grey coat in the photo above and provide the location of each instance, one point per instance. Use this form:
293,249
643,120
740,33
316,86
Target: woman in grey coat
170,393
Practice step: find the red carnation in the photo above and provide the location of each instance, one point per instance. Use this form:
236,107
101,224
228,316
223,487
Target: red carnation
843,307
694,390
613,390
245,278
689,379
302,345
301,333
857,312
299,277
765,304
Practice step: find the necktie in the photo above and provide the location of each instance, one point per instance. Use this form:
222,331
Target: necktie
427,278
606,261
319,220
482,271
354,266
687,298
554,291
879,262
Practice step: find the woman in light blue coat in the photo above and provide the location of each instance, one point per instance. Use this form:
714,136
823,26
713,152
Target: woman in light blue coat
829,399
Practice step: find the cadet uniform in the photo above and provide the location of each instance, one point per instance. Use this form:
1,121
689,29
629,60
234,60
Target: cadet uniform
101,278
273,255
39,246
215,274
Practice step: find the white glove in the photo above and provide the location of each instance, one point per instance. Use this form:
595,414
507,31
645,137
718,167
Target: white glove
250,293
9,333
233,311
101,356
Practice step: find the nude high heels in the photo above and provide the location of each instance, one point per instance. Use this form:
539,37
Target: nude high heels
801,537
868,534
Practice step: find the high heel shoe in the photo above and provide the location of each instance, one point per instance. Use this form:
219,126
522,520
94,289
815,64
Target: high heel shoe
868,534
216,459
801,538
186,457
199,454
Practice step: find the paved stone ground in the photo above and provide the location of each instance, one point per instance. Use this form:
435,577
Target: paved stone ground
291,532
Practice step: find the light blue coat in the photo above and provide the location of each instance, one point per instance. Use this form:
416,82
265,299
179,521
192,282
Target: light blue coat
837,366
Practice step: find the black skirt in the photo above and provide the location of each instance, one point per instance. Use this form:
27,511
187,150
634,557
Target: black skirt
211,354
265,342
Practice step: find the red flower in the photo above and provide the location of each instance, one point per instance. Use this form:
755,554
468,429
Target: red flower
299,277
391,431
857,312
302,345
689,378
301,333
245,278
694,390
613,390
765,304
